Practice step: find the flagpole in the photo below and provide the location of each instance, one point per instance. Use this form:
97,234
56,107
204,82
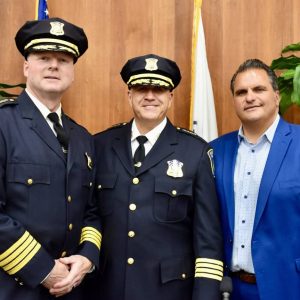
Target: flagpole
196,20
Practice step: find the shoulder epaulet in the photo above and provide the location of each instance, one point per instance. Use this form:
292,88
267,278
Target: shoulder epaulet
119,125
189,132
7,101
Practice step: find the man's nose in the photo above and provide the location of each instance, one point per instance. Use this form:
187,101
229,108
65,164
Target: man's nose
149,94
53,63
250,96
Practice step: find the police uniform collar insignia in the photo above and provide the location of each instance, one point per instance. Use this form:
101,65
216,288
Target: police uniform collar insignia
210,154
57,28
89,161
151,64
175,168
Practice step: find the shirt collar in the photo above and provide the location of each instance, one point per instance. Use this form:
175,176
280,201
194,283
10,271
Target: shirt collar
42,107
152,135
269,133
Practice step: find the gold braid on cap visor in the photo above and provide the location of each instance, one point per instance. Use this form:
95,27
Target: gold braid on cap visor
72,47
157,79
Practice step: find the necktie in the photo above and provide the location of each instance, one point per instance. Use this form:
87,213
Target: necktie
62,135
139,154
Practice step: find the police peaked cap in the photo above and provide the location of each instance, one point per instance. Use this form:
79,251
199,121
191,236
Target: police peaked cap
151,70
53,34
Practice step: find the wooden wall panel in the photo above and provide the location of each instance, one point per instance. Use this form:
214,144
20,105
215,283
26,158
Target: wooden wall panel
120,29
117,30
236,30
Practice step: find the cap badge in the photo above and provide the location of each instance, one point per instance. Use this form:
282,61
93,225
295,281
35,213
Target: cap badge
57,28
175,168
89,161
151,64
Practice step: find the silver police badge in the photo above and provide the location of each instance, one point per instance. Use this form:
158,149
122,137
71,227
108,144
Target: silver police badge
151,64
57,28
175,168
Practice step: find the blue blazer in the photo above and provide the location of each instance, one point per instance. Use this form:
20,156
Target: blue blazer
276,238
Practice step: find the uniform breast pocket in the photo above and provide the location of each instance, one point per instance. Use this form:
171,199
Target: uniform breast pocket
27,182
105,184
28,174
172,199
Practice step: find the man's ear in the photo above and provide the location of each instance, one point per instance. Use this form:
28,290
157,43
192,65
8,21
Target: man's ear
25,68
129,95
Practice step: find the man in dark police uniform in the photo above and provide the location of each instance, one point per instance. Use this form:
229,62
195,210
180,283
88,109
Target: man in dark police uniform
49,233
155,187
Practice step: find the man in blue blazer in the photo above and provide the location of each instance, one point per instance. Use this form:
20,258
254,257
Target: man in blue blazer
161,230
49,232
257,173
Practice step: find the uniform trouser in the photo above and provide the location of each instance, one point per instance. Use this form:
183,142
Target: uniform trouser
244,291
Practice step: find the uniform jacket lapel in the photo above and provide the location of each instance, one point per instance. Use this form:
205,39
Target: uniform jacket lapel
279,147
38,123
122,147
161,149
71,130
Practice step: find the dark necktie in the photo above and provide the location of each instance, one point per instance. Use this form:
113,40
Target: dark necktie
139,154
62,135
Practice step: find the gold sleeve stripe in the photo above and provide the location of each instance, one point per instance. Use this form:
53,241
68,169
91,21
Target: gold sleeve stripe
209,268
88,228
15,246
209,260
205,275
90,234
206,265
20,257
17,252
210,271
26,260
85,235
90,239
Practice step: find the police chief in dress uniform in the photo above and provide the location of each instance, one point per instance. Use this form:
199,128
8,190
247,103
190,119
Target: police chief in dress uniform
160,216
49,232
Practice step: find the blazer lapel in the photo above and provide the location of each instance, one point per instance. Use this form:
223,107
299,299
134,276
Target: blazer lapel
230,154
38,124
279,146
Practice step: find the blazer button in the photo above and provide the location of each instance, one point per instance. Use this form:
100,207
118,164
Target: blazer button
130,261
183,276
69,199
64,253
70,226
29,181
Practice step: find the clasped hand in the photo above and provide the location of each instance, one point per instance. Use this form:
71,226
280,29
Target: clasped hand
67,273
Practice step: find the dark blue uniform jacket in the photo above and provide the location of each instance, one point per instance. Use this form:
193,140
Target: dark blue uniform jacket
161,228
46,208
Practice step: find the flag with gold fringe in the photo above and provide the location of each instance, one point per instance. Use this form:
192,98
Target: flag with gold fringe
202,111
41,10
